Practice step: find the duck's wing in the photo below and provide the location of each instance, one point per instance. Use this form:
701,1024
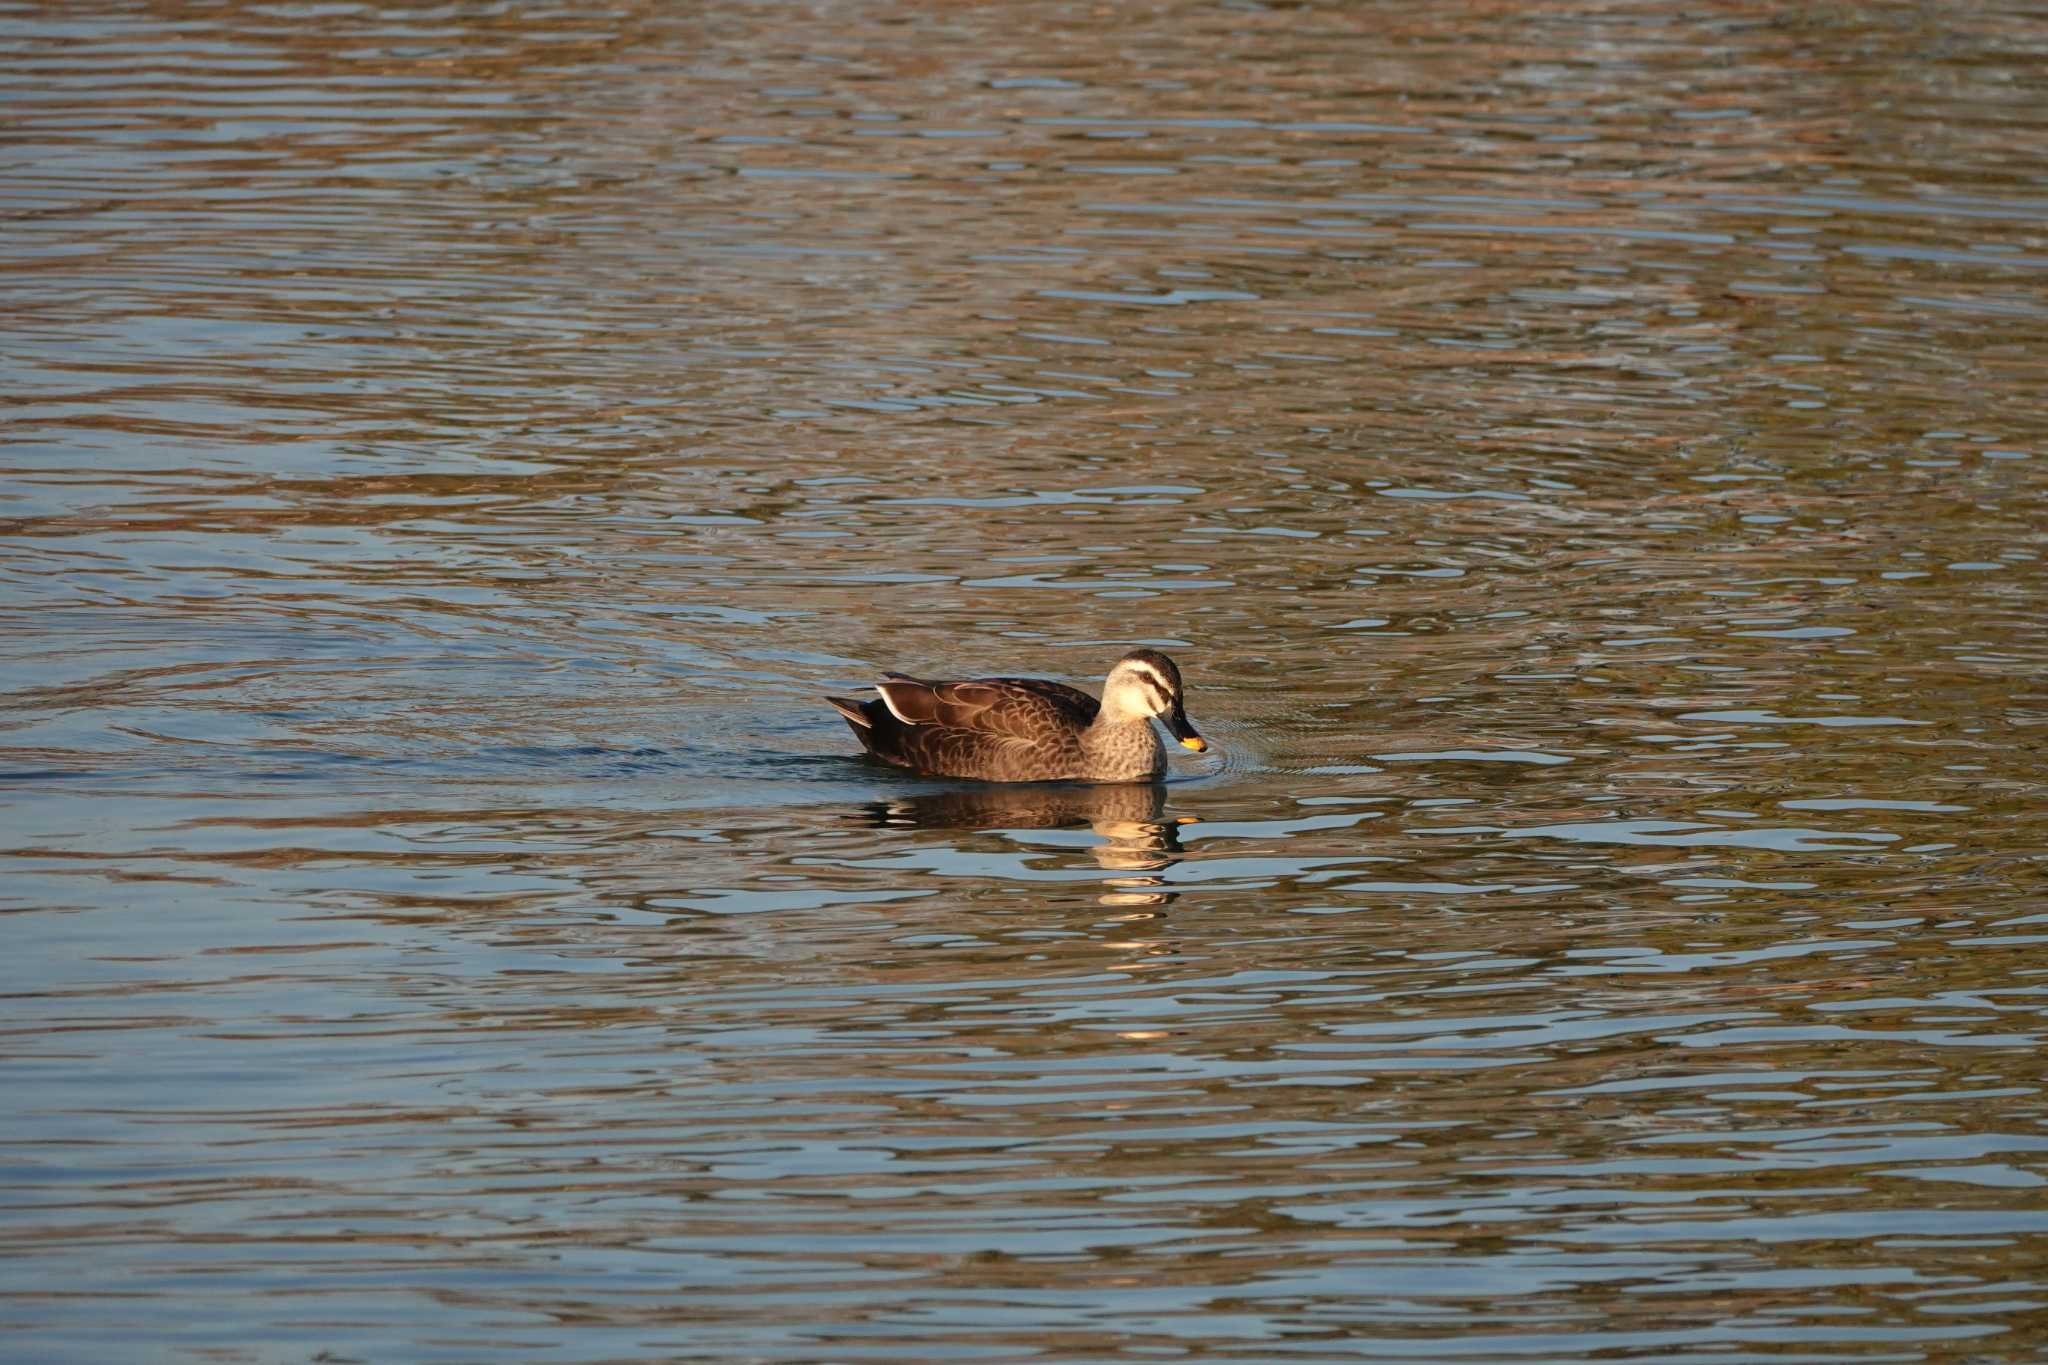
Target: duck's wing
1020,708
1078,704
1001,729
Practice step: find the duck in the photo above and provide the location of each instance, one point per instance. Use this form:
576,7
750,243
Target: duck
1028,729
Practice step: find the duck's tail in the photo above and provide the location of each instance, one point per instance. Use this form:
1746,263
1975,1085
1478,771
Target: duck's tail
856,715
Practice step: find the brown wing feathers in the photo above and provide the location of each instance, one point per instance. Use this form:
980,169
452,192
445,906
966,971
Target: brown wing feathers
953,705
967,728
1073,700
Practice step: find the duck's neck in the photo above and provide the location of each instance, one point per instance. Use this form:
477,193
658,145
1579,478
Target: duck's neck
1123,748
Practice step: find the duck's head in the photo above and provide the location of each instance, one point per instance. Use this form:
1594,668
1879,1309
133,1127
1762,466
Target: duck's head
1146,684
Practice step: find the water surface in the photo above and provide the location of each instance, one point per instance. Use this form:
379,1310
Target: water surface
1588,461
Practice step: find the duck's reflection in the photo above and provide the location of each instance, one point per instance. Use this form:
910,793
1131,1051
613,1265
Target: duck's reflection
1136,835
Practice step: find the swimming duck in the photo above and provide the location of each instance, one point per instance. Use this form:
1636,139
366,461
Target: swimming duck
1028,729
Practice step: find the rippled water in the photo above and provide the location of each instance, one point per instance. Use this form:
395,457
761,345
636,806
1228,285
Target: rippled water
1587,459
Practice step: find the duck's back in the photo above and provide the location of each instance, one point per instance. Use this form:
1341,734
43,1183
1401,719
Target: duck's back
993,729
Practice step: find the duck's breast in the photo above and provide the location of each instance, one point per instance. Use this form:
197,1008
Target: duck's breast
1123,753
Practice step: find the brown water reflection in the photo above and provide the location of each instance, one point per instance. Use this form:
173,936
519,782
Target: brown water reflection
1587,459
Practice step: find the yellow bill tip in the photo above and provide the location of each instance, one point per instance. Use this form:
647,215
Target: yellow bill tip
1197,743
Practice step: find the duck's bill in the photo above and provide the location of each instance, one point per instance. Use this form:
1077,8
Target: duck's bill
1177,726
